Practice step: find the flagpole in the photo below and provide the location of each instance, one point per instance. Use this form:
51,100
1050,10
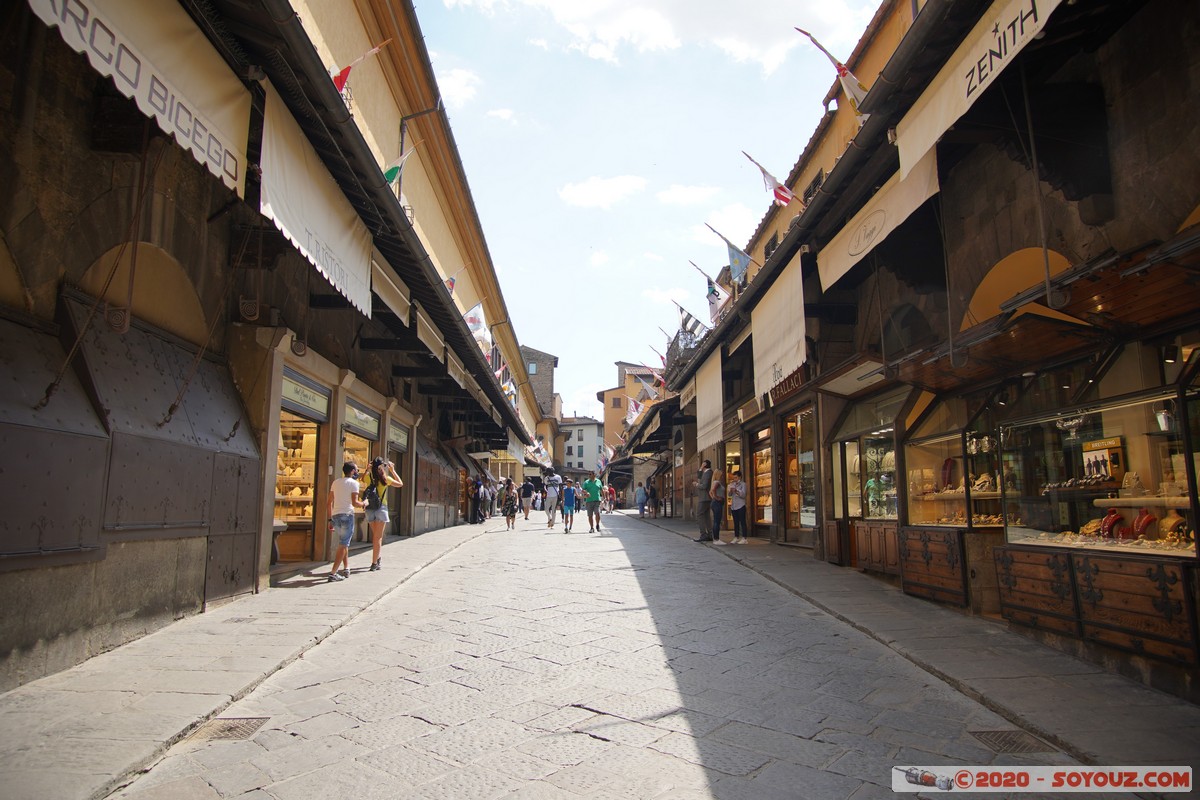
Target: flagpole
731,244
702,272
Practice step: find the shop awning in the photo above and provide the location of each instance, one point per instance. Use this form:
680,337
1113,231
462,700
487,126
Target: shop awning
662,467
392,291
156,56
1003,346
655,435
709,402
778,320
852,379
895,201
308,207
991,46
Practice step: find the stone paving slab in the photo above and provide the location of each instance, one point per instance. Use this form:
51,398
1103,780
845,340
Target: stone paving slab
512,688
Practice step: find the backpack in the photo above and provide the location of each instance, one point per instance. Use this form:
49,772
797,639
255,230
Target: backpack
372,498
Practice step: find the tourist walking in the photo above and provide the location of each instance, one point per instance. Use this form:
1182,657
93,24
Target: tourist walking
568,505
592,491
508,503
652,499
639,497
553,483
343,500
527,496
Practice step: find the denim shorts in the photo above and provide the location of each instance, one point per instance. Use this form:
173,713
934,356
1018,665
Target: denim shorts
378,514
343,527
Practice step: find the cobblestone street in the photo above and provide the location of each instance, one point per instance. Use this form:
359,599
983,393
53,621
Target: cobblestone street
631,664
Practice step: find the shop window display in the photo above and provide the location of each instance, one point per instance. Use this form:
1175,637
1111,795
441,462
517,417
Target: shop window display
295,477
763,479
952,465
1114,477
800,439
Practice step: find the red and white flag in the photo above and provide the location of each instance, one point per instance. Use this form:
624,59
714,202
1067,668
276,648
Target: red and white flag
852,86
339,78
783,195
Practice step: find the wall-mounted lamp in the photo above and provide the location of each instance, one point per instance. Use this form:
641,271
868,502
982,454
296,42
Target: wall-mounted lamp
1170,354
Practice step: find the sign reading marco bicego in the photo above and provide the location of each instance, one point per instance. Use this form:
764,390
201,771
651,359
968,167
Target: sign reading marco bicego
156,56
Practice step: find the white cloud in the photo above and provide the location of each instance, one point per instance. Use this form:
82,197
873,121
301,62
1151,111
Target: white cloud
758,31
666,297
736,222
601,192
458,86
506,114
678,195
652,256
599,258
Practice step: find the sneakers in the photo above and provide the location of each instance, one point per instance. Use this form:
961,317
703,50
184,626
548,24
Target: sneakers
740,540
334,577
375,565
345,574
718,541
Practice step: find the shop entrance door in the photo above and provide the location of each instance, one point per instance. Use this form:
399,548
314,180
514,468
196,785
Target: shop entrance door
295,485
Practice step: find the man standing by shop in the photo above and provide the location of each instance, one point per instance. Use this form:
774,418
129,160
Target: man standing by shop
702,486
593,490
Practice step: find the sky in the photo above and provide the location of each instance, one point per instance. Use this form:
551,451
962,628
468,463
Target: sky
600,136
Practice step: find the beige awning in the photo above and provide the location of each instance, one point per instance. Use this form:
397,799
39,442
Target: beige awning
454,366
883,213
778,322
428,333
688,393
156,56
391,290
307,205
709,402
991,46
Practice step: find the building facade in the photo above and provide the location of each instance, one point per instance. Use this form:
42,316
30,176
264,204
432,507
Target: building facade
989,396
211,297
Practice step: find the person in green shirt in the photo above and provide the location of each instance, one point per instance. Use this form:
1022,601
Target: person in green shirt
592,489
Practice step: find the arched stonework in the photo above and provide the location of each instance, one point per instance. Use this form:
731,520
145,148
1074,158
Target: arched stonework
163,294
1010,276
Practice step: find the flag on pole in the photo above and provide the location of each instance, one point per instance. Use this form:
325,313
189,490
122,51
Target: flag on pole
500,371
783,195
450,284
739,260
661,357
339,78
717,297
635,410
651,392
689,323
658,378
852,86
477,323
396,167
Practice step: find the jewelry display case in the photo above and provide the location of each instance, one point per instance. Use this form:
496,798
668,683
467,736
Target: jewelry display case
1110,477
952,467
